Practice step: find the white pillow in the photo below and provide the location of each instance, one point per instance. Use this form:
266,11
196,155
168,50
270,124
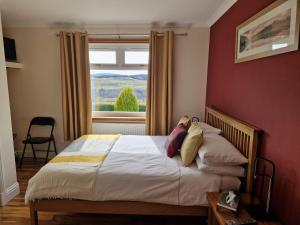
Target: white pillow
216,150
235,171
209,129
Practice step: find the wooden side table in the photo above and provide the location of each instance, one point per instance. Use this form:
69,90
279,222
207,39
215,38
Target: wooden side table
217,218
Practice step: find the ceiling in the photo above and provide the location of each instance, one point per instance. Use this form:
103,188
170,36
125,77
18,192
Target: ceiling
40,13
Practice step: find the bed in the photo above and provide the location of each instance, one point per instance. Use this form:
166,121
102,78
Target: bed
160,195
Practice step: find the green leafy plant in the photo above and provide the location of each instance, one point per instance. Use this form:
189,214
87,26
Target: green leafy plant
108,106
142,107
127,101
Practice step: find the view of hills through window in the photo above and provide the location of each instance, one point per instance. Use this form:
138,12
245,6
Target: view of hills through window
106,86
119,74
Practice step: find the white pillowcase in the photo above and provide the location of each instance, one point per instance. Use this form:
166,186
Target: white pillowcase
216,150
235,171
209,129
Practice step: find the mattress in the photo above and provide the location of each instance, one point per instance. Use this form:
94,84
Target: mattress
138,169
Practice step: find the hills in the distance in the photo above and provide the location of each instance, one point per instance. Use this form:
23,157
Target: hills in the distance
120,76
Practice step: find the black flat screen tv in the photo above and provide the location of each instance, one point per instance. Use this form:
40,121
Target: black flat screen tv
9,49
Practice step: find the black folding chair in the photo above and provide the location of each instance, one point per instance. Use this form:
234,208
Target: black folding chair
39,121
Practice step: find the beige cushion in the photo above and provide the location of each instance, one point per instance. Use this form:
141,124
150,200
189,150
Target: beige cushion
191,144
185,120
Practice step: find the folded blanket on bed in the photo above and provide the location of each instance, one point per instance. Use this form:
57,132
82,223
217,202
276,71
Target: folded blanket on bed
74,170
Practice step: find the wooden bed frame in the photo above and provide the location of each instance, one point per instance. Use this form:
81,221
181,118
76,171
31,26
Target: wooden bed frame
242,135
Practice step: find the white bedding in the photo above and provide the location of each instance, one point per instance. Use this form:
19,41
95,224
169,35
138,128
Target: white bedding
138,169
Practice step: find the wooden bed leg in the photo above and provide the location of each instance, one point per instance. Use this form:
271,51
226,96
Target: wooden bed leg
33,215
211,217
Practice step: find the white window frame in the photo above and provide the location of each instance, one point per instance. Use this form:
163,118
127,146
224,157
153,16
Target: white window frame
107,49
120,65
120,50
134,50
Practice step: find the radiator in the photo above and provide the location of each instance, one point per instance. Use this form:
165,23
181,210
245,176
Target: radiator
119,128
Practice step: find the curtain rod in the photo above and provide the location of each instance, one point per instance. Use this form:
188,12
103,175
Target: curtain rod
138,35
159,33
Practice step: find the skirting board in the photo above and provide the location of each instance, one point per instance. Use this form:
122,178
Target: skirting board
9,193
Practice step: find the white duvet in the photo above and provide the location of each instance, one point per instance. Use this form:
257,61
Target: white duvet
138,169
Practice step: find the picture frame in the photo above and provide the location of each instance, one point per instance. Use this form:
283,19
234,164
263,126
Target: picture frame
272,31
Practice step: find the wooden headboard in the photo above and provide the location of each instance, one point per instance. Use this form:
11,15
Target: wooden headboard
243,136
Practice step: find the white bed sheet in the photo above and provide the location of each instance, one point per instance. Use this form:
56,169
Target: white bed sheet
138,169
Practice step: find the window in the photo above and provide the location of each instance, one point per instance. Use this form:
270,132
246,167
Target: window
103,57
119,74
136,57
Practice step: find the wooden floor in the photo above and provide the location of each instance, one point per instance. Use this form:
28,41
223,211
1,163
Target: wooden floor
17,213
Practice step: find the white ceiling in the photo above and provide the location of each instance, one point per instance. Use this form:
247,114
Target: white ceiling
40,13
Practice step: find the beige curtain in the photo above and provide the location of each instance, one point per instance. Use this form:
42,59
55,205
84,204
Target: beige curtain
75,74
159,89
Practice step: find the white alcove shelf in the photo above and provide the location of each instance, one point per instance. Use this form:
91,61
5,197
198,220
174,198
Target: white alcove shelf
15,65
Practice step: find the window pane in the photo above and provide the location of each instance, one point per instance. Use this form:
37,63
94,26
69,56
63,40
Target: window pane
103,57
107,86
136,57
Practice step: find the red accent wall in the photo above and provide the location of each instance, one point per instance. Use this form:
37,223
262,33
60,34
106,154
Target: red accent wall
265,93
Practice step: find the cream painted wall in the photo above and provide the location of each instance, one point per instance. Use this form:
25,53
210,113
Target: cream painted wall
36,89
191,60
9,186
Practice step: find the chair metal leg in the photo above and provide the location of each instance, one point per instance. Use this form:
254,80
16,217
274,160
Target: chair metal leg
54,146
46,160
21,161
33,151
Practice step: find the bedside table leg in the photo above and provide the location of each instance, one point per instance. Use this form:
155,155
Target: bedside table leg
211,217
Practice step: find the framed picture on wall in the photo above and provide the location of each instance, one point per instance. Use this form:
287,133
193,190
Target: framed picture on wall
272,31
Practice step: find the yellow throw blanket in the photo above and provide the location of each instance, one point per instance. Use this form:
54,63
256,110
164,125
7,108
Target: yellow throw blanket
87,149
74,170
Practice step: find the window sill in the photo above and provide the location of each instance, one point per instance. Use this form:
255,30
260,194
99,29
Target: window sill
138,120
